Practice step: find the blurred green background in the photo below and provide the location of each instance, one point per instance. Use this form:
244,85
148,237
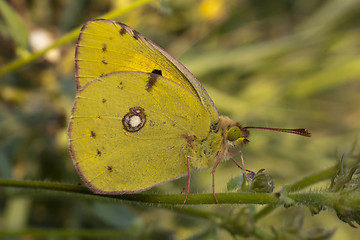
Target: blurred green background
284,63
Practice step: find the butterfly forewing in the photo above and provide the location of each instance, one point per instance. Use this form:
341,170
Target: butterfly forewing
106,46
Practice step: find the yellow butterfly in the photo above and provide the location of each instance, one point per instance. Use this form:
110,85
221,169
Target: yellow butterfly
140,117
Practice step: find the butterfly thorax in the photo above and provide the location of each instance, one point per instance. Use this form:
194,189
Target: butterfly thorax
205,151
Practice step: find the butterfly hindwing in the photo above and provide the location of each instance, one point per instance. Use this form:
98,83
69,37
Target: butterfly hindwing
127,136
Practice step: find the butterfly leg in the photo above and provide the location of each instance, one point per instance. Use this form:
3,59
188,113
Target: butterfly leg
218,159
188,183
242,166
213,174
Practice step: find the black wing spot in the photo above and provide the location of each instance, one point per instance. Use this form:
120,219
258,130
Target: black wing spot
110,168
104,62
120,85
157,71
104,47
93,134
152,80
122,31
98,152
104,100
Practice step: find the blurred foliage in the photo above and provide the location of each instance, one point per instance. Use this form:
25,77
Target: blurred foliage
278,63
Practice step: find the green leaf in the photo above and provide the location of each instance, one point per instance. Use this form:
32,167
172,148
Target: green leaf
14,25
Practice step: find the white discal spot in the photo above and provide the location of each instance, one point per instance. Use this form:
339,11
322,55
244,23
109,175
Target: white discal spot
134,121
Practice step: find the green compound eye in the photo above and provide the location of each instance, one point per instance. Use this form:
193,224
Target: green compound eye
234,133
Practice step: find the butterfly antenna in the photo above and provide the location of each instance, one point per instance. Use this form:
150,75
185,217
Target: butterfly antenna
299,131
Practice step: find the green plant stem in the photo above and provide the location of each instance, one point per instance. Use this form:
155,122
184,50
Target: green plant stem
321,198
224,198
167,201
310,180
44,185
301,184
67,38
254,198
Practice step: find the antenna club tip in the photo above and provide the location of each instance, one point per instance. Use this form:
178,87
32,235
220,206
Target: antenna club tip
307,132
